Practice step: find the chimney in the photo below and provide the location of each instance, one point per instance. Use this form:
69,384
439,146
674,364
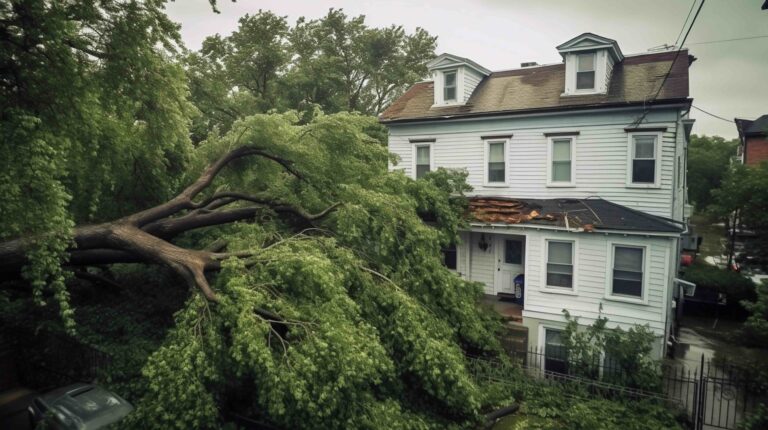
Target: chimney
529,64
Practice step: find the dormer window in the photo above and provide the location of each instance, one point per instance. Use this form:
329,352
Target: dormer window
449,86
455,79
589,60
585,73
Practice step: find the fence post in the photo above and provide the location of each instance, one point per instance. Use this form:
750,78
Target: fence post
702,397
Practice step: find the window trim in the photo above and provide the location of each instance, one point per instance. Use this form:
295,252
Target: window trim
487,145
550,153
455,99
576,73
573,290
658,158
413,157
611,251
542,341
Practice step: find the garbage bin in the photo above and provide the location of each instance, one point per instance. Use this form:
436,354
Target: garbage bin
519,289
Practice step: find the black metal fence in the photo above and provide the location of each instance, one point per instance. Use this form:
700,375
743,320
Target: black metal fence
712,395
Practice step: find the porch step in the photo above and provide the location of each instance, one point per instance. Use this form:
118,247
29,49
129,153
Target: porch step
515,337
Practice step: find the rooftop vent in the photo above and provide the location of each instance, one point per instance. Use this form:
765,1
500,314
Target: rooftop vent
529,64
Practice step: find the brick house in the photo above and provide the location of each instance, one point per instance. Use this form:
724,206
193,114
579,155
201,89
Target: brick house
753,140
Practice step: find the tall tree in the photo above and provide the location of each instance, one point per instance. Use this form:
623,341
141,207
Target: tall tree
708,161
88,98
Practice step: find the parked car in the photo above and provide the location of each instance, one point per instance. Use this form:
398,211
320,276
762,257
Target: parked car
78,406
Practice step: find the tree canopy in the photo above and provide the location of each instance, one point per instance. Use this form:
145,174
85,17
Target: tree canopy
708,161
336,63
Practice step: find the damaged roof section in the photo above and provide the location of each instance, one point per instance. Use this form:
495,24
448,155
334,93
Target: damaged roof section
587,214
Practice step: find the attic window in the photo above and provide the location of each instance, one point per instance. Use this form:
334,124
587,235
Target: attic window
449,86
585,73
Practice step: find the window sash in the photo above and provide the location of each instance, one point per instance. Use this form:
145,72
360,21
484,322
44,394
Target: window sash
555,353
644,159
628,271
423,160
562,155
496,162
585,71
560,264
449,86
586,62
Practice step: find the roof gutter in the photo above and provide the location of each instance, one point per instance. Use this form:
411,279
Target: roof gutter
524,226
682,102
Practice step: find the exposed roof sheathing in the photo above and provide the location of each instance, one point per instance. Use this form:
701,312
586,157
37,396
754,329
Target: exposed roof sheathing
634,80
592,213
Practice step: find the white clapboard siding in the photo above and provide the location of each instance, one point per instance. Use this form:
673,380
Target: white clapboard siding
601,155
592,274
471,81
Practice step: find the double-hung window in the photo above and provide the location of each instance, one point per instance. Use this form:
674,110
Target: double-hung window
449,86
496,166
585,71
561,161
644,154
423,160
555,353
559,264
628,263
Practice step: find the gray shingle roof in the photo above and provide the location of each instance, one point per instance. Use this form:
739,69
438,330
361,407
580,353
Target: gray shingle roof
573,213
634,81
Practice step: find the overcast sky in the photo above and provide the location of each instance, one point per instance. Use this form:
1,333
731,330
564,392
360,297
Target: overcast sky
729,79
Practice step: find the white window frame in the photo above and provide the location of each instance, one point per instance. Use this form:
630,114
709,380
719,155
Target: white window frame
576,88
545,260
542,342
550,152
656,151
431,157
611,253
455,86
487,145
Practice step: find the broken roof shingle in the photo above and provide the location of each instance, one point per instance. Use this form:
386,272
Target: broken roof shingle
592,213
634,80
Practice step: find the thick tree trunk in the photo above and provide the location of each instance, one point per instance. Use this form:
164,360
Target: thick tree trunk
145,236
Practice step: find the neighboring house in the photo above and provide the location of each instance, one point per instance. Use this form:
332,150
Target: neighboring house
753,140
571,189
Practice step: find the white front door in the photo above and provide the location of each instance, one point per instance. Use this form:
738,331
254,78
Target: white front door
510,262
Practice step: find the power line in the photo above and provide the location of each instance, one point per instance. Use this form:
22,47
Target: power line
693,3
728,40
672,65
712,115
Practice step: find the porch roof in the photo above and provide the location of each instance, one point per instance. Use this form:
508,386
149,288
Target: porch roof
591,213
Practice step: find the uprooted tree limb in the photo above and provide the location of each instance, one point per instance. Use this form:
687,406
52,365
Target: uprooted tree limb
145,236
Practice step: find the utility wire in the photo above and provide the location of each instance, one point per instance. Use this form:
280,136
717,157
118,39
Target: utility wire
674,60
693,3
712,115
728,40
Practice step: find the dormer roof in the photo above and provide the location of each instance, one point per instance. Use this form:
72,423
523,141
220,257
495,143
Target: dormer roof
591,42
449,61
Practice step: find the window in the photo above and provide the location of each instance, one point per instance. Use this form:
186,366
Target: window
555,354
513,251
449,86
559,264
627,271
585,71
423,160
449,256
561,161
496,165
643,158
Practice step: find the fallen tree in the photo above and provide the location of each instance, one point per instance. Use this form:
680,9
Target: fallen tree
318,295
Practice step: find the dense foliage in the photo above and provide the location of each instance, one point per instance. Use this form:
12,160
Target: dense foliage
756,326
708,161
336,63
625,356
734,285
87,100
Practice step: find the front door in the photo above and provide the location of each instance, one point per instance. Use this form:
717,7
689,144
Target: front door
510,262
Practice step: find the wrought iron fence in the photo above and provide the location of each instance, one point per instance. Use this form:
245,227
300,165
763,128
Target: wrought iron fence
712,395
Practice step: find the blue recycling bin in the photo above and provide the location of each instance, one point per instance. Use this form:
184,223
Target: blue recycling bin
519,289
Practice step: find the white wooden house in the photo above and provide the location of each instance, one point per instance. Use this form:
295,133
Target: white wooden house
578,170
